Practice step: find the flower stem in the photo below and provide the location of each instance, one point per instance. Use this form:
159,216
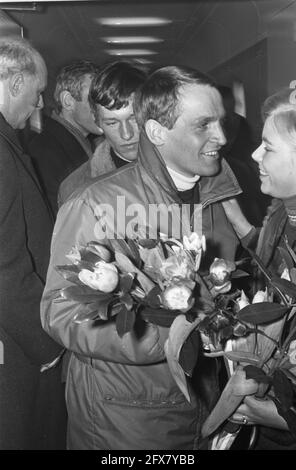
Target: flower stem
257,330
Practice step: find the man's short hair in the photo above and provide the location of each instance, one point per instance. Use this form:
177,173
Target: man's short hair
114,84
71,78
159,96
17,55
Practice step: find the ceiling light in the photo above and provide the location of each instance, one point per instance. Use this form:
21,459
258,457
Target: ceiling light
132,40
122,52
136,21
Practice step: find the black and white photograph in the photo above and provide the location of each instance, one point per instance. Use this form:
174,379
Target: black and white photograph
148,229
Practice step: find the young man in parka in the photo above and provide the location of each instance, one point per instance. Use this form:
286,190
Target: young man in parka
120,392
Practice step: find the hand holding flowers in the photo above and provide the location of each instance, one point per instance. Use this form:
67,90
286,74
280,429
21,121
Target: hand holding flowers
266,355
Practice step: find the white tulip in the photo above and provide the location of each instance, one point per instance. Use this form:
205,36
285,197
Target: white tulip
103,278
260,296
243,301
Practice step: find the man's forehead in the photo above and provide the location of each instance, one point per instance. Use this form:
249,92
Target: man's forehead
203,100
125,111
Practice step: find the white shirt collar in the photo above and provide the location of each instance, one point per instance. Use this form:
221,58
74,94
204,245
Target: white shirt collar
182,182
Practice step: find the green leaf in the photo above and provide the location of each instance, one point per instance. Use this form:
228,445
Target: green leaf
85,265
293,275
189,352
125,264
88,256
94,311
125,321
147,243
67,268
102,251
152,272
289,375
243,356
152,257
70,273
159,316
262,312
238,273
84,294
134,250
204,292
115,308
291,252
286,257
103,308
283,389
285,286
255,373
127,301
120,245
128,249
153,297
260,264
126,282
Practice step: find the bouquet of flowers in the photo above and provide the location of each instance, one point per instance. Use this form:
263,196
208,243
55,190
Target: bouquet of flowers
159,281
265,352
153,278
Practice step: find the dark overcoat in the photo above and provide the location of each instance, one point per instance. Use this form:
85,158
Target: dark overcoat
55,153
32,409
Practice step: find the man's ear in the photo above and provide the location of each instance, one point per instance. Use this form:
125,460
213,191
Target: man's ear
156,132
95,114
16,83
67,100
98,126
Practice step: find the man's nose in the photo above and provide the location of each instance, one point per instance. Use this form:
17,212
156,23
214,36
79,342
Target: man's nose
218,134
126,131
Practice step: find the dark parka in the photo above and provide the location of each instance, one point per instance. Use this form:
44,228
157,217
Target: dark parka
120,392
32,410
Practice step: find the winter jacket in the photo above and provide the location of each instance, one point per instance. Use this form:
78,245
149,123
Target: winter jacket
100,164
120,392
32,405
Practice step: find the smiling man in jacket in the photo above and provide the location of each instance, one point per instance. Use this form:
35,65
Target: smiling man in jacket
120,392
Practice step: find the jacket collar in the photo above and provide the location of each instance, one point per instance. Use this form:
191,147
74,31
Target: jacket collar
11,137
212,188
84,142
9,132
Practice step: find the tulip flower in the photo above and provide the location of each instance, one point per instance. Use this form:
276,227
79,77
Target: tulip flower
103,278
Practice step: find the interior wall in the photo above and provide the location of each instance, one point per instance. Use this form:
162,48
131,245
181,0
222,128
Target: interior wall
265,60
8,27
250,68
282,48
